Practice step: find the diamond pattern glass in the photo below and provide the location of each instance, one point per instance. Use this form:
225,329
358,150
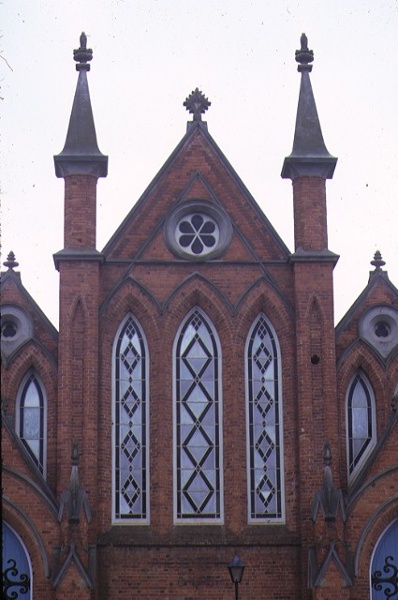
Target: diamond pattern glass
130,424
197,421
264,424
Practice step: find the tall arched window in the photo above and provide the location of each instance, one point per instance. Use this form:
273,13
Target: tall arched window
384,565
361,422
197,420
31,418
264,423
17,570
130,424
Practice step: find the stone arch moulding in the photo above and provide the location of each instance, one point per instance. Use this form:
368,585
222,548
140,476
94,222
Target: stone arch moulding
263,297
19,520
197,291
128,295
373,528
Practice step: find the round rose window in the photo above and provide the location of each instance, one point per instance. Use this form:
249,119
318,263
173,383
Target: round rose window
198,230
197,233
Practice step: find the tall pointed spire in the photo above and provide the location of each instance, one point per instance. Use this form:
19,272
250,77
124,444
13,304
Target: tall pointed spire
309,156
81,155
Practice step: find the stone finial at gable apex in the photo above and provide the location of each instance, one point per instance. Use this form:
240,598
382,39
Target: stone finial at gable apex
377,261
197,104
11,263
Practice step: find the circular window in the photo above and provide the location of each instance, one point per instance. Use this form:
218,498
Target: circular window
9,329
16,328
379,326
382,329
198,230
197,233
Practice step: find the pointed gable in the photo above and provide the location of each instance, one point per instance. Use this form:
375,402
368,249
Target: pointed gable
374,315
23,315
196,170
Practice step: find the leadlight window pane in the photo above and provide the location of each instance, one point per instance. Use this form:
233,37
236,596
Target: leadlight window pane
361,426
17,572
384,568
264,424
198,475
130,424
31,420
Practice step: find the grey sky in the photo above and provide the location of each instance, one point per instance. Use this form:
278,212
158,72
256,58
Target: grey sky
148,56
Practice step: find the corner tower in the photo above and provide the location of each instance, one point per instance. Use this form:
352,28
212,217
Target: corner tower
80,164
308,166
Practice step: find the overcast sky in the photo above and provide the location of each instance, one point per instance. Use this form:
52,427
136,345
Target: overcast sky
148,56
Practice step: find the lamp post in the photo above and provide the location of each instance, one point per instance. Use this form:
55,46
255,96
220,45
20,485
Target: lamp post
236,568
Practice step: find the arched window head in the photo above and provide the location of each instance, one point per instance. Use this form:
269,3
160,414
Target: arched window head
130,424
361,423
17,568
264,423
384,565
197,420
31,418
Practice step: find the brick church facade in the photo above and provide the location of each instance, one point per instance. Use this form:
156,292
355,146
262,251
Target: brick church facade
198,403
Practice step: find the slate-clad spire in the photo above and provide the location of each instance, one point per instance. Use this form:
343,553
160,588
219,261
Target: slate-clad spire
81,155
309,156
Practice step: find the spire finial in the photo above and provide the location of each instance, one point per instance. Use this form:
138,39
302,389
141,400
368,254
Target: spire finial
83,54
11,263
197,104
377,261
304,56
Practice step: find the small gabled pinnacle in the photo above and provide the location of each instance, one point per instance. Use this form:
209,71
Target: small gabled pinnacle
197,104
11,263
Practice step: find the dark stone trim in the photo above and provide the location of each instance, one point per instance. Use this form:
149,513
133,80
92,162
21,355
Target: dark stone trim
325,255
77,254
33,529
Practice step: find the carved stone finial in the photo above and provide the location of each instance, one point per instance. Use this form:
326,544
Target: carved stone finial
74,498
75,455
11,263
377,261
328,498
327,454
83,54
197,104
304,56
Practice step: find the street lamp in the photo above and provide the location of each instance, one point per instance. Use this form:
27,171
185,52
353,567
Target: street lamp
236,568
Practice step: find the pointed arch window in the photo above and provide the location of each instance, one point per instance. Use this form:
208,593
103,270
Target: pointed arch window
384,565
17,569
31,418
130,424
361,422
197,421
264,423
